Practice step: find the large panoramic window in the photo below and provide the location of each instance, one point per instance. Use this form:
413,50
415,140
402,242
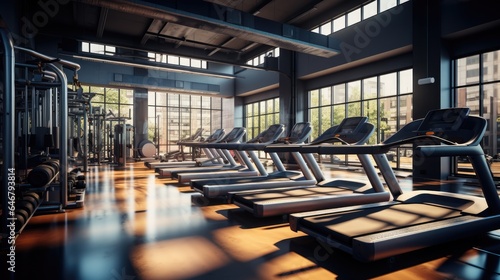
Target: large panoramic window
173,117
356,15
385,99
477,86
115,105
259,116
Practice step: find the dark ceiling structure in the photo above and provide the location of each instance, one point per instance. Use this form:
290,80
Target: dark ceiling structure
215,30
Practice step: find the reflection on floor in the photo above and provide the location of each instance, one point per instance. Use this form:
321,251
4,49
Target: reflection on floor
136,226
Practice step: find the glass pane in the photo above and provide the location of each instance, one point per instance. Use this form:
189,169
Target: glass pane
338,114
195,101
160,120
467,70
490,66
370,9
339,94
127,111
256,109
249,110
354,17
370,88
215,121
173,99
405,110
405,152
185,124
99,97
388,124
326,29
263,108
370,110
314,119
216,103
196,117
184,100
161,99
205,102
314,98
151,98
354,109
388,85
387,4
326,96
172,59
491,140
269,120
262,123
184,61
173,124
152,124
339,23
270,107
406,81
326,118
196,63
469,97
354,91
126,96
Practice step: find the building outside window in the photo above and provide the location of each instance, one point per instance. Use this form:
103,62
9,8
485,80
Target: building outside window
477,86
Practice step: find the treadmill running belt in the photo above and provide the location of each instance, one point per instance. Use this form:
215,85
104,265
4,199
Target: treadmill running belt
231,180
345,226
289,194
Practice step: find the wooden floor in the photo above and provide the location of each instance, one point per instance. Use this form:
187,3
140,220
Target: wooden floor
137,226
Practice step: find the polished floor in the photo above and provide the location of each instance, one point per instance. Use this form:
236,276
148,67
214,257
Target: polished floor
137,226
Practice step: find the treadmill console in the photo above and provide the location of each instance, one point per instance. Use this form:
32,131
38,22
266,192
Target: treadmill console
439,121
351,125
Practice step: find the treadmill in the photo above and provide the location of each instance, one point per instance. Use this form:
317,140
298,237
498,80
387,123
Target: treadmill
220,187
327,193
224,158
215,137
266,137
166,163
419,218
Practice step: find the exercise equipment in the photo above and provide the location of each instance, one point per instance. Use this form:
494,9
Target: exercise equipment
210,158
419,218
175,154
220,187
225,160
246,168
146,149
43,174
331,193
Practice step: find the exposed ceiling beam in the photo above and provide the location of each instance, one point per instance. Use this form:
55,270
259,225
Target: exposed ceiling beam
102,22
222,45
179,41
256,11
155,27
228,21
310,7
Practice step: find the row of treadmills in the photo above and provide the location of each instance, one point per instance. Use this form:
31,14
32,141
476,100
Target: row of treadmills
370,220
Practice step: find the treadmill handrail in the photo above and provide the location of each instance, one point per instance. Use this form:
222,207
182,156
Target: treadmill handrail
251,145
347,139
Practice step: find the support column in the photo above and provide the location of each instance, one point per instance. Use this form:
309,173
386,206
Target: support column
287,90
430,59
140,110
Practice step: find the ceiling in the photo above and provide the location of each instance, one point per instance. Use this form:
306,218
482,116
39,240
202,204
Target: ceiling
215,30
